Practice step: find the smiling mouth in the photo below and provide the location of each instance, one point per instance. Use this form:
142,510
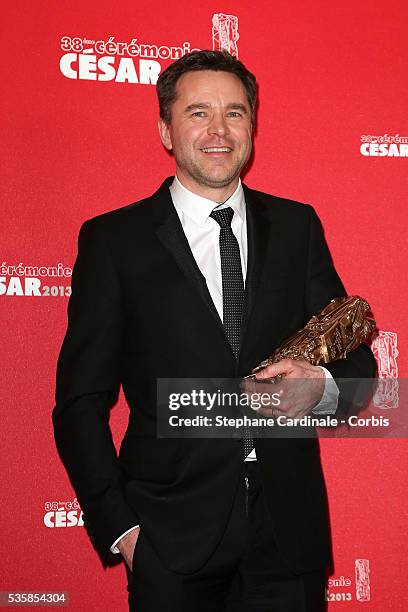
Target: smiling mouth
216,150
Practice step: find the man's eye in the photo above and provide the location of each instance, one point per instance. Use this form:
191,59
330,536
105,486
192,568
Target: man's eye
234,114
198,114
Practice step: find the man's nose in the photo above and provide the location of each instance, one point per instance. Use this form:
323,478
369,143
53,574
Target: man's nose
218,125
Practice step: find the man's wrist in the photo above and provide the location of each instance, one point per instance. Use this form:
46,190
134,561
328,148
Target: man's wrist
115,546
330,398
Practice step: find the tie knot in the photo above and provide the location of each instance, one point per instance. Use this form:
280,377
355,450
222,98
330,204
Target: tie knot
223,216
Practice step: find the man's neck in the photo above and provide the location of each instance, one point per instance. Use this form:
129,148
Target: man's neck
218,195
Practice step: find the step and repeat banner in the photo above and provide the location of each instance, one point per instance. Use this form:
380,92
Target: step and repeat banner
79,137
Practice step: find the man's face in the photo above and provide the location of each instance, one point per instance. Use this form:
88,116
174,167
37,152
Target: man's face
210,132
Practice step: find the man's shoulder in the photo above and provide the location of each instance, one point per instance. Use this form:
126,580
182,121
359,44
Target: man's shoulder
270,202
119,216
135,214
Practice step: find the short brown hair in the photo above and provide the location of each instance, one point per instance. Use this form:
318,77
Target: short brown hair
202,60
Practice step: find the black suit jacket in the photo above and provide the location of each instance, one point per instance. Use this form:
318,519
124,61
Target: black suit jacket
140,310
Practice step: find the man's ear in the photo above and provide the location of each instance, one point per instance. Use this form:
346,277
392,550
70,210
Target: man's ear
164,131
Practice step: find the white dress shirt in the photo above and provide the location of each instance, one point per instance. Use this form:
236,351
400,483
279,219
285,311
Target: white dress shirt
203,234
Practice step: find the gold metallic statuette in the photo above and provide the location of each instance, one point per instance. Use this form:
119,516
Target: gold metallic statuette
341,326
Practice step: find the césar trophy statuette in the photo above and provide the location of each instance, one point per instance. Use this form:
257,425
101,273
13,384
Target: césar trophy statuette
343,325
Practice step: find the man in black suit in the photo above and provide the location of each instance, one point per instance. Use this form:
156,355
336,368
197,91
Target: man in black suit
201,280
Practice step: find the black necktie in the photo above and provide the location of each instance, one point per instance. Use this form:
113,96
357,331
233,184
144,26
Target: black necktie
232,290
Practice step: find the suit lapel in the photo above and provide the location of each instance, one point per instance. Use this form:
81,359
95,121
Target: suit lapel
272,259
258,232
170,232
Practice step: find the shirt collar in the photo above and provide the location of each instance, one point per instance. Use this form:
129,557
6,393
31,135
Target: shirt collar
198,208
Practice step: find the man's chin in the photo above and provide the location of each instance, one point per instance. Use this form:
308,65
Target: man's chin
218,181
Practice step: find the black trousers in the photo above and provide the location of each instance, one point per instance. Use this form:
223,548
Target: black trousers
245,573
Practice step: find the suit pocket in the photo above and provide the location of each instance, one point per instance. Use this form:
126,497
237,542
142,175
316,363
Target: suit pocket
136,552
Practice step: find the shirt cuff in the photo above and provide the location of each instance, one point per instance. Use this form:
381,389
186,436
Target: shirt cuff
330,397
114,548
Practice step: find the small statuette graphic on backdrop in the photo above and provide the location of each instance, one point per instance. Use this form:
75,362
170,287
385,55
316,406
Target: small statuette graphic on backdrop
225,33
362,570
384,347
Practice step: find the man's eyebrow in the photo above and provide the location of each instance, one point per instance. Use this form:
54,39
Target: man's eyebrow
231,106
238,106
195,105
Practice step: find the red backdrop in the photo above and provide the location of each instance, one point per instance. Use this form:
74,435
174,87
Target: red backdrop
79,138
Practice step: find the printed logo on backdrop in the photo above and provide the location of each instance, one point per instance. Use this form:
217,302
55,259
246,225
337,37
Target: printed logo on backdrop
384,347
28,280
136,61
225,33
350,588
384,146
63,514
